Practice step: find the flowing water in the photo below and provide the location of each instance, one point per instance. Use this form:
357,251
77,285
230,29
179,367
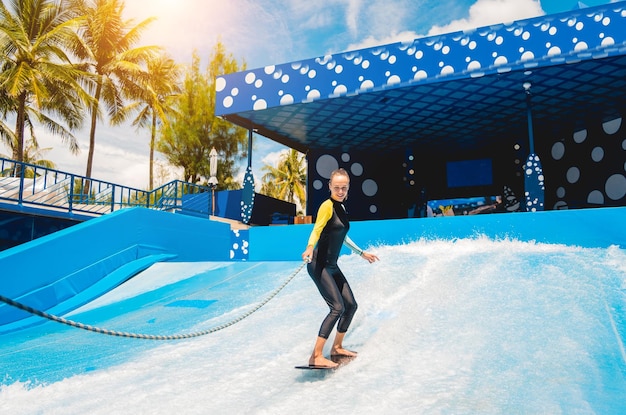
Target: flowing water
468,326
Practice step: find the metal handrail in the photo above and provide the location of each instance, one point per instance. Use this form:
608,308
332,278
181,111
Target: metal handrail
24,184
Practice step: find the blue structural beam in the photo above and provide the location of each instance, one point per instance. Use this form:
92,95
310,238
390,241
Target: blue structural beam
64,270
586,34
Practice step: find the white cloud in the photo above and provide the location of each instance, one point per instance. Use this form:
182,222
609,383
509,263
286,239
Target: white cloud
308,15
274,157
121,155
488,12
481,13
371,41
352,16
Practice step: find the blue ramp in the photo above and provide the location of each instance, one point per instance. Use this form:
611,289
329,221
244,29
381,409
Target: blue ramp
64,270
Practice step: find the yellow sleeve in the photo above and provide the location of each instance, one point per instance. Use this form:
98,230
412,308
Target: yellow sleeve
324,214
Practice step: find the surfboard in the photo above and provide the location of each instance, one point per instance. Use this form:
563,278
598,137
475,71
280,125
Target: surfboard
313,367
340,360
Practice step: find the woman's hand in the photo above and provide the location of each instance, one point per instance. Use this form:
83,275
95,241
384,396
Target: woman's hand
307,254
369,257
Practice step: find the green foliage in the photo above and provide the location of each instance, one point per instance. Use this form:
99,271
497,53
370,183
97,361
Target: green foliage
33,154
106,49
287,180
62,61
193,129
37,77
157,93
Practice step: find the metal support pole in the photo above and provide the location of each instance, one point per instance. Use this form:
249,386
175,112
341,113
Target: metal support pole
250,147
529,114
213,200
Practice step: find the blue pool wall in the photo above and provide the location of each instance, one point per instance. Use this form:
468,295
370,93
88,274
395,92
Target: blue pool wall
591,228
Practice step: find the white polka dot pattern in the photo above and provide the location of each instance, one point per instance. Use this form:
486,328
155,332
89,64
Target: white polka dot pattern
548,40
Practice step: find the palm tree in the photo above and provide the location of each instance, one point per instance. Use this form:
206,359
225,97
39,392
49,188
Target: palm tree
287,181
157,93
33,154
107,48
7,135
37,76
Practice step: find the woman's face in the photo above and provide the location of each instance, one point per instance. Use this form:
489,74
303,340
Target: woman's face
339,186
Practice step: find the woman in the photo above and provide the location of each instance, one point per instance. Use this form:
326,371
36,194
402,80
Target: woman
327,237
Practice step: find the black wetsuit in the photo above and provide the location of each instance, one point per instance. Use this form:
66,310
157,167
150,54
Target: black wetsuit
328,278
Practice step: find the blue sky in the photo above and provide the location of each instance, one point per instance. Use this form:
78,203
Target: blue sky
267,32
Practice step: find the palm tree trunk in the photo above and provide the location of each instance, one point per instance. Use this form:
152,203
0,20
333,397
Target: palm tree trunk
18,150
92,136
92,129
152,139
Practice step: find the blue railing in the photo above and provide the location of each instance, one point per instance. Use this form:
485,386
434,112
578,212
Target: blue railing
28,185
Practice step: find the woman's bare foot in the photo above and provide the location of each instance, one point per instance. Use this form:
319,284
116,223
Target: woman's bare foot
321,361
340,351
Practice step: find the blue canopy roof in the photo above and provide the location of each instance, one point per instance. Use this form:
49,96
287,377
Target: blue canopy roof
458,90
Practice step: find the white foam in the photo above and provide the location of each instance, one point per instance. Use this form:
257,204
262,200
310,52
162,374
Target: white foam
463,327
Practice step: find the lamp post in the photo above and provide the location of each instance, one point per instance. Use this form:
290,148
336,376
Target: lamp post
213,179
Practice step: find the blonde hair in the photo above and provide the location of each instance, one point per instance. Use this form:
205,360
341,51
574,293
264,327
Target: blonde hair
338,172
